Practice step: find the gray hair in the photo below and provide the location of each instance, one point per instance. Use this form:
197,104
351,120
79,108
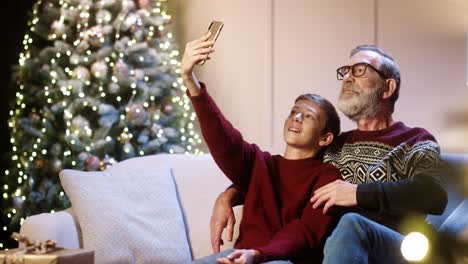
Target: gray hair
388,67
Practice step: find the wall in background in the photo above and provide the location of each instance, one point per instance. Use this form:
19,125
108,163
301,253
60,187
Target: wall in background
271,51
428,40
239,76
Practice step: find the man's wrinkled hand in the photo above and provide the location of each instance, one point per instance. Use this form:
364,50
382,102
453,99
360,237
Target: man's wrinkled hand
337,193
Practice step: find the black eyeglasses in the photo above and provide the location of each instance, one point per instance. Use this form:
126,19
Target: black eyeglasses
357,70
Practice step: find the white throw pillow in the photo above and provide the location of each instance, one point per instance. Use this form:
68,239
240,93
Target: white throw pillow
128,215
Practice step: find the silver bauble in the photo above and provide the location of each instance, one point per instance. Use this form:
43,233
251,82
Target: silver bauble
136,114
113,88
81,73
99,69
80,124
56,165
121,70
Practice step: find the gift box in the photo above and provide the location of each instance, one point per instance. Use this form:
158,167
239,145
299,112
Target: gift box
56,256
44,252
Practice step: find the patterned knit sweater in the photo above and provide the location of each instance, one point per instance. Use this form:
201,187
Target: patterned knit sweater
396,169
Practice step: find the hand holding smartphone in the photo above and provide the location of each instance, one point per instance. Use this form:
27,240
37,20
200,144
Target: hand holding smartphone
215,28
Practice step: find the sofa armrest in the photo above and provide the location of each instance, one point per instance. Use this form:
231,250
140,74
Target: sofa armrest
457,222
59,226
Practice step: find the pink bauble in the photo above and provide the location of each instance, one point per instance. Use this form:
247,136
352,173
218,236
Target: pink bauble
168,109
92,163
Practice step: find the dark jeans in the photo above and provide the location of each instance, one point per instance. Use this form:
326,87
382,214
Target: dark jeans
357,239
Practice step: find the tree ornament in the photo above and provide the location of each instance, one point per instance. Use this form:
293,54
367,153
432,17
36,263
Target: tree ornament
136,114
113,88
92,163
107,162
79,124
75,59
81,73
99,69
38,164
56,165
121,70
168,109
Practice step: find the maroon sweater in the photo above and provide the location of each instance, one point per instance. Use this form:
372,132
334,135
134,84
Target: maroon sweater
278,218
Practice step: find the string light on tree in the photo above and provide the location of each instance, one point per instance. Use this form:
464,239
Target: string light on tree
98,82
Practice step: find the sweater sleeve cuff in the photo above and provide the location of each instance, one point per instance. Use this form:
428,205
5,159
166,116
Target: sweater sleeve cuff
366,196
203,92
263,258
200,101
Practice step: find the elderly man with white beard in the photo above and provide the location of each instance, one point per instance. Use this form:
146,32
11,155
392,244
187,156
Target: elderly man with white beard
388,170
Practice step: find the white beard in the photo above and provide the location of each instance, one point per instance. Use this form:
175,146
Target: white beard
365,103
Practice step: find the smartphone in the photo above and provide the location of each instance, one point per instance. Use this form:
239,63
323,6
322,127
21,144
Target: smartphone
215,28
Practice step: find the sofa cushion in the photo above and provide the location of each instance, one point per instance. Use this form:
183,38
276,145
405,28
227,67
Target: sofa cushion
128,215
198,181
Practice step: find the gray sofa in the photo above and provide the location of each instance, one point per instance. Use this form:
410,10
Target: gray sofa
455,180
197,195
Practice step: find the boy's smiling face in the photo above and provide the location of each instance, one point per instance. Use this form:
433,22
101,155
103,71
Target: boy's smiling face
304,126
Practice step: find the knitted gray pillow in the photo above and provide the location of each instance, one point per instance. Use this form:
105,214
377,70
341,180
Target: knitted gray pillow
128,215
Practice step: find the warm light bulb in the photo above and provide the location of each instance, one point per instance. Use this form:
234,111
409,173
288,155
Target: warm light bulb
415,246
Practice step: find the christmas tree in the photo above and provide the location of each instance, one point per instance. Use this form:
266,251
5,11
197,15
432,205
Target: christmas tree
98,82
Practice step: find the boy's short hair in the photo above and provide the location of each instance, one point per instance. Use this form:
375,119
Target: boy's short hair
332,124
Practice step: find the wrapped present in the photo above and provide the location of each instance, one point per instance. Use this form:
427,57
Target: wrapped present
44,252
